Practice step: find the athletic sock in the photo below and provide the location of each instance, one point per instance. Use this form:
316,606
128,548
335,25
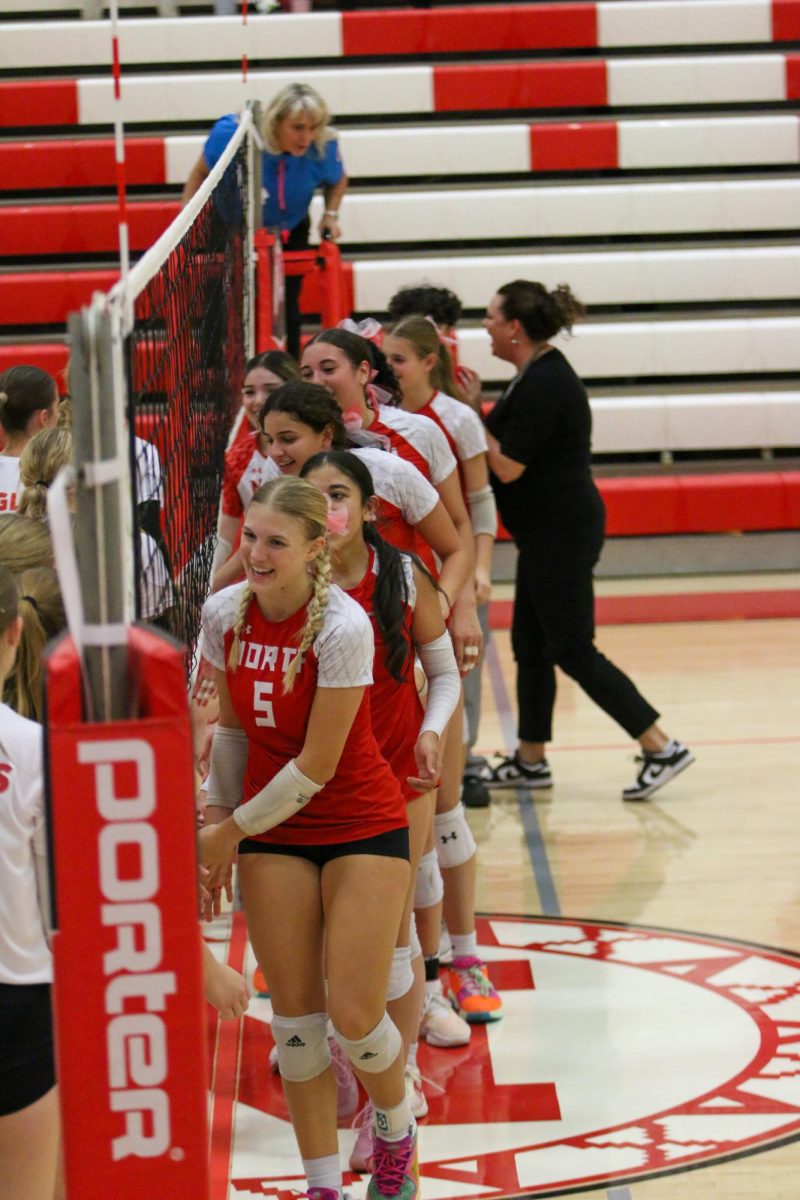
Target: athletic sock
324,1172
465,945
393,1124
411,1057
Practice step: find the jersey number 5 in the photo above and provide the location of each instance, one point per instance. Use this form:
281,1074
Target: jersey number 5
262,705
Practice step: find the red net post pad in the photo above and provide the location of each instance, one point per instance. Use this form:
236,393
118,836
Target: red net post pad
130,1022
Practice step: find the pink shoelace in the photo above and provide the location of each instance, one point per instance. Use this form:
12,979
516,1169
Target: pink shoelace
390,1164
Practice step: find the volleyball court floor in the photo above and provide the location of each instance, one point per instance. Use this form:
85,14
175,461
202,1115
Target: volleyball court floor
646,956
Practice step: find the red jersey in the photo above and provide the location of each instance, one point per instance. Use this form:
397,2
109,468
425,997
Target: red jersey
397,711
363,799
416,439
246,468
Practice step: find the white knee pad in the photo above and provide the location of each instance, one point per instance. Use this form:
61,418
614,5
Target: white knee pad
375,1052
401,977
455,844
429,888
302,1045
415,946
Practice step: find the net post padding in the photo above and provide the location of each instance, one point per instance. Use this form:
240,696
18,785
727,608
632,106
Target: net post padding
129,1012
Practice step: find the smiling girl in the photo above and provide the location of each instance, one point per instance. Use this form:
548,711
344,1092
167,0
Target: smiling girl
299,786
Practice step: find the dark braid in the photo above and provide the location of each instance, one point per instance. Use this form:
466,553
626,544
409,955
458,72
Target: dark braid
391,586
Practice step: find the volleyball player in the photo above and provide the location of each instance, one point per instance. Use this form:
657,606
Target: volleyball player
28,403
400,598
322,830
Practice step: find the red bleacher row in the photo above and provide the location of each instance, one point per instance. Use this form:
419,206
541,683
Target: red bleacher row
497,87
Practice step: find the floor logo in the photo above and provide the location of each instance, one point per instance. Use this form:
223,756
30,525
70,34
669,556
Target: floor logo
624,1053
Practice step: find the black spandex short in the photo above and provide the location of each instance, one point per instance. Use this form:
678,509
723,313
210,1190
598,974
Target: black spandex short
393,844
27,1070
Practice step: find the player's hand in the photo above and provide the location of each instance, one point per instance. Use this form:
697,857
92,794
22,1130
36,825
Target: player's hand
216,849
227,991
205,689
428,754
470,383
483,588
467,635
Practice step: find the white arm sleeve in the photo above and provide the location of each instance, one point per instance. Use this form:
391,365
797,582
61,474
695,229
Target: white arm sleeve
222,552
228,764
444,683
483,511
286,793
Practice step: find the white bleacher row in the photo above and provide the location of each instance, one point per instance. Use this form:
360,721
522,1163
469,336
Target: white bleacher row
569,211
641,276
695,421
366,91
658,349
319,35
403,152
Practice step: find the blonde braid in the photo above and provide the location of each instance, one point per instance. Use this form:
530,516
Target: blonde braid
238,625
321,577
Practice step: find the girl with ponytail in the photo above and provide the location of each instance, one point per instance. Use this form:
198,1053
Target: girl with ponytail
42,611
299,788
400,598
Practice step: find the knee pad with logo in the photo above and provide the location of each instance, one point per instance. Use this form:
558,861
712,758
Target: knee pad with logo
455,844
302,1045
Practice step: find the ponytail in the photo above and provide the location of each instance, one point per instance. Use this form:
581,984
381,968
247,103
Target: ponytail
43,616
541,314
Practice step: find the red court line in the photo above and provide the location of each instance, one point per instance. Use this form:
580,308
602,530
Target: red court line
520,85
225,1076
574,146
692,606
79,162
453,30
39,102
785,21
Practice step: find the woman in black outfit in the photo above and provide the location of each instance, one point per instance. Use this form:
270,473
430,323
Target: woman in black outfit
539,435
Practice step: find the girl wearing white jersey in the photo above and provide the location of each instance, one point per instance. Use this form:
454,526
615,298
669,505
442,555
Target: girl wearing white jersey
29,1123
422,366
28,403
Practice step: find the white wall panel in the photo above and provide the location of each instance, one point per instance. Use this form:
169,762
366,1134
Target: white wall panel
721,141
622,425
625,277
683,22
171,40
700,79
783,418
441,150
204,97
659,348
716,421
476,214
180,155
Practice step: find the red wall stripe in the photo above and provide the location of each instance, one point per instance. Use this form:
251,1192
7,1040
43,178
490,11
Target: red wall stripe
45,297
450,30
48,356
75,163
81,228
793,76
39,102
786,20
579,146
520,85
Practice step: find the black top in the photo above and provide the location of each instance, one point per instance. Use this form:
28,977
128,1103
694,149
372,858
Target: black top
544,421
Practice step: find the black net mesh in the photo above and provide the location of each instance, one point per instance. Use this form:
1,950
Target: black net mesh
185,357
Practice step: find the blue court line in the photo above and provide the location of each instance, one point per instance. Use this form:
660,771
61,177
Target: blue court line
537,851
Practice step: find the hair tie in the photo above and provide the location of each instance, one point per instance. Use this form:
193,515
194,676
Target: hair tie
443,338
41,483
31,600
369,329
338,518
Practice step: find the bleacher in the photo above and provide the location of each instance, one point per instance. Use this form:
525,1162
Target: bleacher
645,151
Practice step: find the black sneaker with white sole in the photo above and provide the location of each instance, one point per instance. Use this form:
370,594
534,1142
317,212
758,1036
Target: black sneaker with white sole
658,769
510,772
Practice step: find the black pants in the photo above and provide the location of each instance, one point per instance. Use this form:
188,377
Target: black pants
297,240
553,625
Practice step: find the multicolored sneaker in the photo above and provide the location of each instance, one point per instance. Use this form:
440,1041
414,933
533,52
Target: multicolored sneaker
321,1193
441,1025
417,1099
395,1169
346,1082
361,1154
471,990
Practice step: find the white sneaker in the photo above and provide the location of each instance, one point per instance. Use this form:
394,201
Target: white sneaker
416,1096
440,1024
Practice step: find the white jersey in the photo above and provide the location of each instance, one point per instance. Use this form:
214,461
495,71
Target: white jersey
398,484
149,479
10,487
24,953
461,424
418,439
